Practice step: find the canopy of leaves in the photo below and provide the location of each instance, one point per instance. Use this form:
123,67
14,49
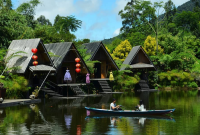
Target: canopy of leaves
66,24
150,46
122,51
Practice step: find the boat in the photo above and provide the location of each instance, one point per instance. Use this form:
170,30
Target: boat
129,112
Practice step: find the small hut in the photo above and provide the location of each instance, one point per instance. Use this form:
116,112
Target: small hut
63,56
138,61
99,53
25,61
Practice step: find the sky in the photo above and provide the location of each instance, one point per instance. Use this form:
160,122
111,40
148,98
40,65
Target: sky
100,19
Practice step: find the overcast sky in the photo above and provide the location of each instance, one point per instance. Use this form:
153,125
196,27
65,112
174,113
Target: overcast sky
100,19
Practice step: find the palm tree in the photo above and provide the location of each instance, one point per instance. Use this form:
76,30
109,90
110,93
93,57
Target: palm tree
67,24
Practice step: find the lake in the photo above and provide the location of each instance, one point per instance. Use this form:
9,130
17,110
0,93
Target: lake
68,116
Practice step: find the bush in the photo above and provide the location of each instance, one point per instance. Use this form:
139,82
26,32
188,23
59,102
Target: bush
192,85
15,86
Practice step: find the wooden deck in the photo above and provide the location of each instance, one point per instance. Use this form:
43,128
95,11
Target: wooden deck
14,102
72,84
107,79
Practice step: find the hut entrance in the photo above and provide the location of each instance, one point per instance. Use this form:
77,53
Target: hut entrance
97,72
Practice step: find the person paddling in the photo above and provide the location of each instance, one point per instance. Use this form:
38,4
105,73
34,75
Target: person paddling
113,106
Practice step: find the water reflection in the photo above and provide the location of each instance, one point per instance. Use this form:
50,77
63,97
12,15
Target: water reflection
68,120
69,117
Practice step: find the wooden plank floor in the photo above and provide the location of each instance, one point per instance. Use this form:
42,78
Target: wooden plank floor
14,102
72,84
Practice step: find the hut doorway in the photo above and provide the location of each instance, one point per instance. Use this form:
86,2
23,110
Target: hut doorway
97,72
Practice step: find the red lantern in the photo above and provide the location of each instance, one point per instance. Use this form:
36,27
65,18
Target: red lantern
34,57
34,50
35,63
78,70
78,65
77,60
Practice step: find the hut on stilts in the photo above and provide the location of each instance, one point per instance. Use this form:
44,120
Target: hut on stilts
63,56
34,74
139,61
100,77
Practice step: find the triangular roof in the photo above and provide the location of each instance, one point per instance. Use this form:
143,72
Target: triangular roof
92,49
26,46
133,53
61,50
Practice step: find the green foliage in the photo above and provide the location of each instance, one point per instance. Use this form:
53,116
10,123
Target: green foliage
150,46
123,81
176,78
47,33
13,26
27,9
135,16
187,20
43,21
192,85
15,86
36,92
66,24
114,44
122,51
86,57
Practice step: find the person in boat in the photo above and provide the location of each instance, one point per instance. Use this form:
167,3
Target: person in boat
113,105
141,106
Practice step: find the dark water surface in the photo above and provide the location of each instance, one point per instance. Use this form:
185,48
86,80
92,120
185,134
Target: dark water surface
61,117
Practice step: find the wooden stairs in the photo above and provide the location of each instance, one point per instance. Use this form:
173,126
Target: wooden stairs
51,89
77,90
104,86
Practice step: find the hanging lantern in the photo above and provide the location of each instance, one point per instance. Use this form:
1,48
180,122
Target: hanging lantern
78,65
34,50
77,60
34,57
78,70
35,63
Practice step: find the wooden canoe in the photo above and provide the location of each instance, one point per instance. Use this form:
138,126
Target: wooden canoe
129,112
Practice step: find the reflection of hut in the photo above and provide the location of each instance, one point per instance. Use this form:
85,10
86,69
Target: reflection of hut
25,62
99,53
63,57
138,61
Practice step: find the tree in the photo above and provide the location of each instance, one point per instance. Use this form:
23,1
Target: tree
150,46
170,11
6,4
86,40
67,24
28,10
43,21
188,21
135,16
13,26
47,33
122,51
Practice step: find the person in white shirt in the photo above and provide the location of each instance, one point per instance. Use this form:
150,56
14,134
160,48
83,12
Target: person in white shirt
113,106
141,106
